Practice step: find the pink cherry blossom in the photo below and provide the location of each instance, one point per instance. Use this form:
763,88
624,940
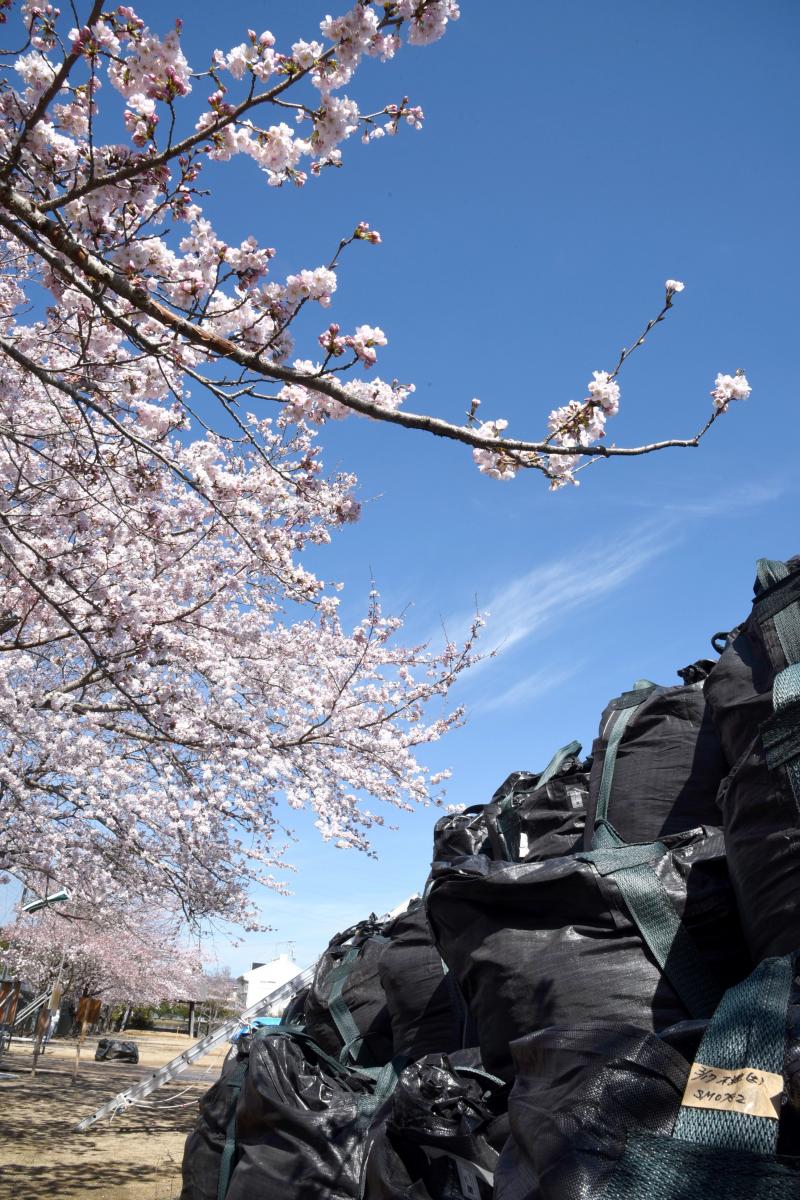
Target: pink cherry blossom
730,387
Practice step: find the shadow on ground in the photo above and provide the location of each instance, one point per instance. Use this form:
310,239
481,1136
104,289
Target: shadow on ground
136,1156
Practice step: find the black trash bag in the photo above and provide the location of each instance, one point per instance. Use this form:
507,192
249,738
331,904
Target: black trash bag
295,1011
302,1121
115,1048
460,834
556,942
615,1112
535,817
202,1154
345,1009
426,1011
530,817
438,1136
668,759
754,696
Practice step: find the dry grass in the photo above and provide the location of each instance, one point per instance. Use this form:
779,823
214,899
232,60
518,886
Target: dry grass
136,1156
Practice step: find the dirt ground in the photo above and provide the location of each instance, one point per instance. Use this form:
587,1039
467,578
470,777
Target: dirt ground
135,1156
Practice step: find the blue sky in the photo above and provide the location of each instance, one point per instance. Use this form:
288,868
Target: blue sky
574,156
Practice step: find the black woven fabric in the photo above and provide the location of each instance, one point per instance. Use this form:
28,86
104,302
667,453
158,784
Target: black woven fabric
577,1092
202,1153
550,943
528,823
437,1136
460,834
759,811
523,822
300,1126
669,764
362,993
659,1168
425,1014
591,1114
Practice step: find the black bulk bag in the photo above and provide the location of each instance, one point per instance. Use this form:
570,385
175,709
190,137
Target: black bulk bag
116,1048
299,1130
534,817
345,1009
616,1113
537,944
461,833
437,1137
530,816
642,933
205,1145
426,1012
667,759
754,695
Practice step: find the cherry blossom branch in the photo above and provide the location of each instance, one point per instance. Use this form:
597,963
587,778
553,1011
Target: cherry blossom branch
94,268
46,99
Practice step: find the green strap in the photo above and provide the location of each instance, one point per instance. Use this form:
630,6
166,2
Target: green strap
336,1065
747,1030
786,688
236,1083
621,719
385,1082
786,703
481,1075
653,913
337,1005
571,750
644,894
787,618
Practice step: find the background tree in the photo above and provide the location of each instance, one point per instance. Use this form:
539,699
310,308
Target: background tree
134,959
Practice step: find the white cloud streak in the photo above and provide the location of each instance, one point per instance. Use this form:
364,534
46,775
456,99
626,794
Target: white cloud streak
530,687
544,596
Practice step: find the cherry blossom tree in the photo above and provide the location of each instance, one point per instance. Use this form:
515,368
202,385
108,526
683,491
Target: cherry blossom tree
130,960
170,672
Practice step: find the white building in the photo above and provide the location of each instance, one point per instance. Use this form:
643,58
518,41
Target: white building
263,978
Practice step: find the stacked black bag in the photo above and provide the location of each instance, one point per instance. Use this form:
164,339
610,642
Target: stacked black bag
438,1135
614,1112
285,1119
754,695
426,1013
292,1110
345,1010
529,818
668,759
645,932
380,991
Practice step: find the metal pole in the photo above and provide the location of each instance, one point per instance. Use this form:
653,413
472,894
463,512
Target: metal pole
43,1030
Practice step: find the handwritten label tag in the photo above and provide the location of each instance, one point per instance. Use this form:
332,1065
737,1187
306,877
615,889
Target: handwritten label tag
747,1090
576,797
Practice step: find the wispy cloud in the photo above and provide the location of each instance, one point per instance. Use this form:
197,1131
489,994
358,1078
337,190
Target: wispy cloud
544,596
529,687
727,500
